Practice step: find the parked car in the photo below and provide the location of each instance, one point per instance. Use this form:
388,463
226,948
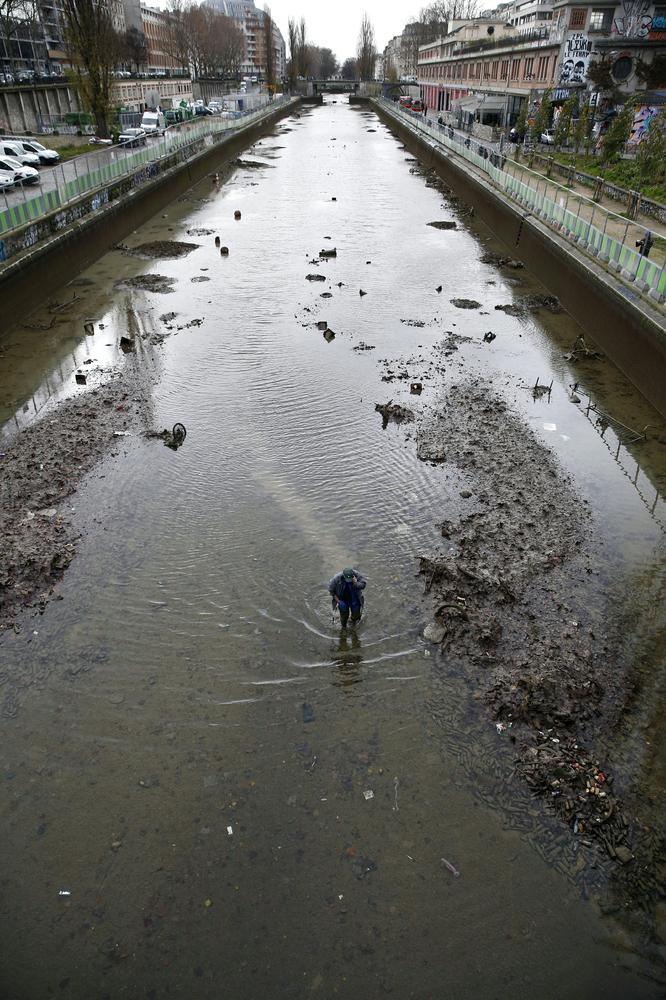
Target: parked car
46,156
548,137
24,175
8,179
416,105
25,76
132,137
9,148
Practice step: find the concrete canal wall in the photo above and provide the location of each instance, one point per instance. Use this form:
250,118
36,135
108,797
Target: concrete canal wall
625,327
46,253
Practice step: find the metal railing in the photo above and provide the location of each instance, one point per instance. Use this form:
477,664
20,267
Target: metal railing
94,172
609,238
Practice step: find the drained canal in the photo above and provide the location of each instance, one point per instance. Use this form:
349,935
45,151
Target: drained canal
209,788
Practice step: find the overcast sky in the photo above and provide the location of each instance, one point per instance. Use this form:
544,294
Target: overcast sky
335,24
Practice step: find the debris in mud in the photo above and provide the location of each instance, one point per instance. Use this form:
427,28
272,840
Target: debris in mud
41,467
498,261
362,867
322,324
489,337
315,277
465,304
81,379
127,345
237,215
159,250
168,317
329,336
429,450
200,232
364,347
416,388
581,352
173,439
434,633
511,309
418,323
224,251
443,225
392,411
326,295
157,283
542,390
536,302
328,253
507,591
439,289
362,293
253,164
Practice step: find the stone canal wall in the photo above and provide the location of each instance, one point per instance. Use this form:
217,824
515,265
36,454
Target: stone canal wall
624,325
45,253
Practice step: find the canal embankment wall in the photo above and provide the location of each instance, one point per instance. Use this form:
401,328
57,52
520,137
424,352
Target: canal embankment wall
626,327
49,251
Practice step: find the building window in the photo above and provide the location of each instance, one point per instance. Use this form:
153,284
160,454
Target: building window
505,69
529,69
577,18
601,20
515,69
622,68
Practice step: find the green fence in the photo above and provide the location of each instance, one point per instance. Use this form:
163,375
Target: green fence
105,170
587,225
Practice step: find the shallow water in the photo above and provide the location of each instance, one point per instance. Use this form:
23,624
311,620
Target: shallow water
158,764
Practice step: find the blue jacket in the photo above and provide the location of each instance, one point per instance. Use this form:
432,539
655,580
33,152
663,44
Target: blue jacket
338,587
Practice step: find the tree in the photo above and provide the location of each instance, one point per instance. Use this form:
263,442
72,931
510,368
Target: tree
15,15
133,49
651,155
328,64
366,52
390,72
521,123
92,46
564,122
349,69
542,117
303,60
617,135
582,128
176,43
653,74
270,48
293,52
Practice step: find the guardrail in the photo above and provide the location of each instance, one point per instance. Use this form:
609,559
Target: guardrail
95,171
602,234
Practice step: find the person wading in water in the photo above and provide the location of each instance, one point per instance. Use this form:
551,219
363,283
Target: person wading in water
346,590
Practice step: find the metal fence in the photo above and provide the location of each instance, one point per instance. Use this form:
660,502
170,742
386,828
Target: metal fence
611,239
95,171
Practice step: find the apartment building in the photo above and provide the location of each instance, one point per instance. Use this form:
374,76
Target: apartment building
486,68
251,20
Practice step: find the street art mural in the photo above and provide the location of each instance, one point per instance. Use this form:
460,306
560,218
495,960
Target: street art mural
577,49
643,119
634,20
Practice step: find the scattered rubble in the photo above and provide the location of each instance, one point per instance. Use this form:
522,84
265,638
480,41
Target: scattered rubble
392,411
465,304
157,283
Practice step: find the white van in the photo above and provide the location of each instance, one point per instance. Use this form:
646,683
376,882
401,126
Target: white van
16,150
153,122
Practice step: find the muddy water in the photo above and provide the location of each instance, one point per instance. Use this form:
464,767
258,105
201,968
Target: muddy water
189,742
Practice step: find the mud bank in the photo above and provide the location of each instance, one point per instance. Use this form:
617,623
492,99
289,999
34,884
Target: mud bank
521,615
41,469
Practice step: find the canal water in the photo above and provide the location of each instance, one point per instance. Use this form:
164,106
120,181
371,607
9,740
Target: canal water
208,788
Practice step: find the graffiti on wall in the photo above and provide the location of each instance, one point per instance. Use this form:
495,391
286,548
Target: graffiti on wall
643,119
577,49
634,20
